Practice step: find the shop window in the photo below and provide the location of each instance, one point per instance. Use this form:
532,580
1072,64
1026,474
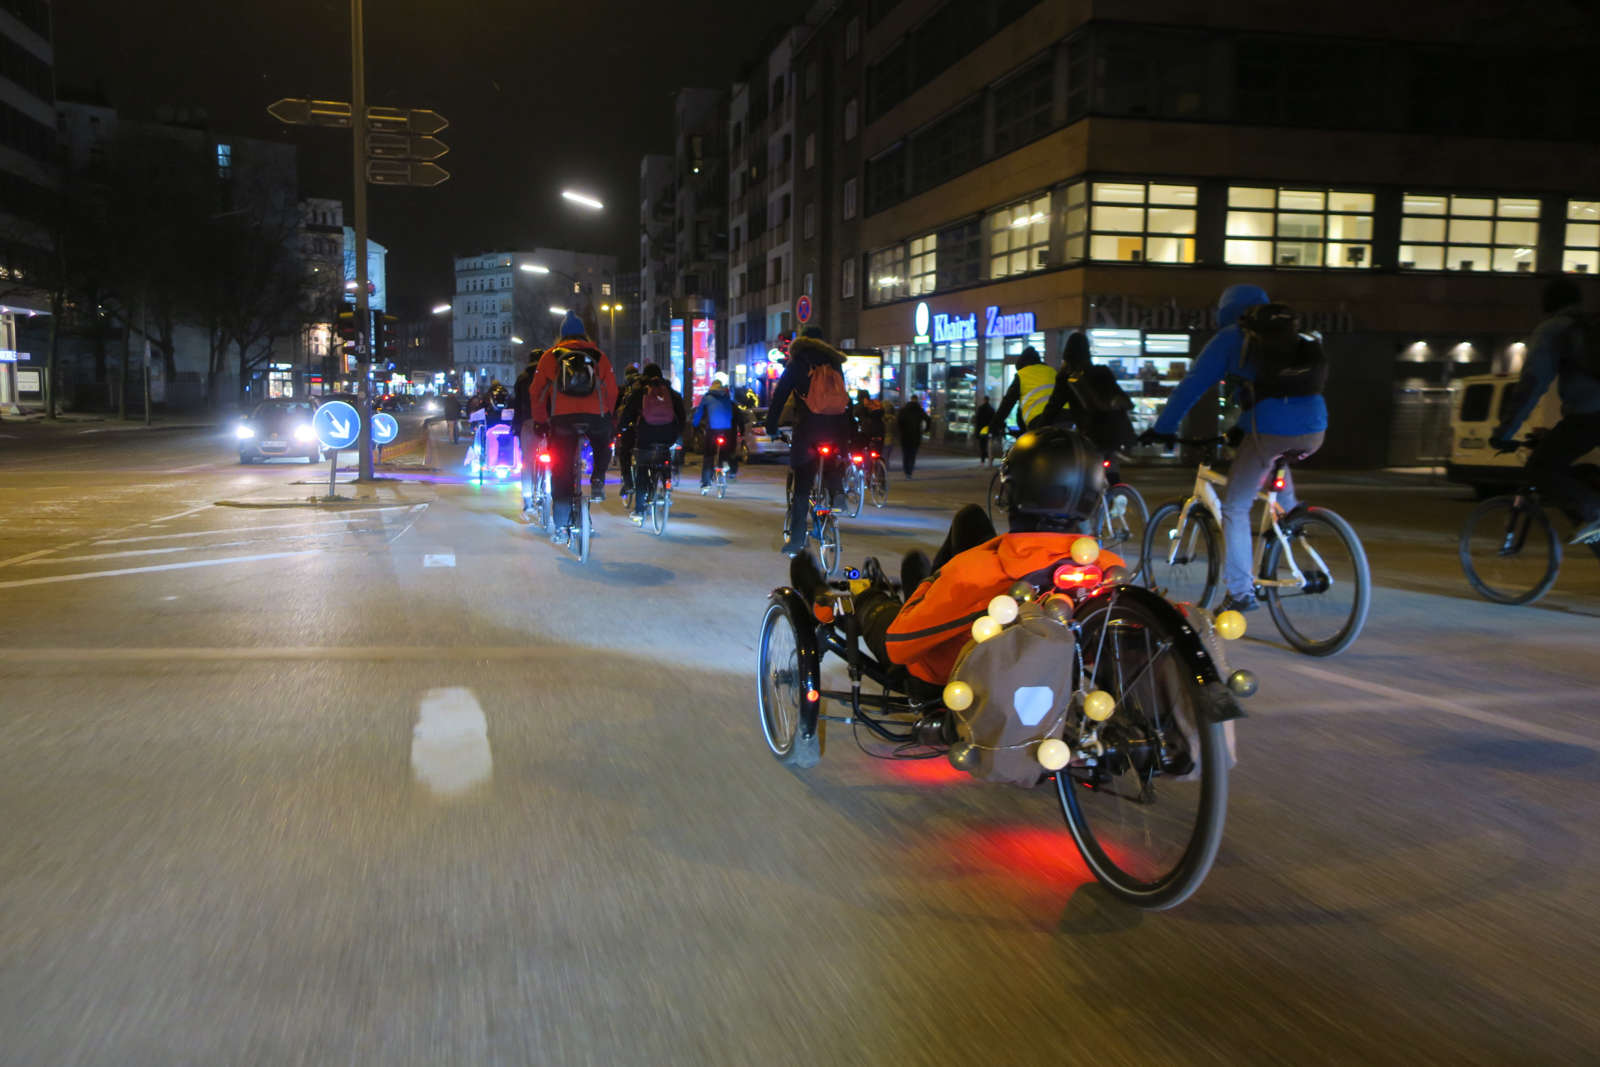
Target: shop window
849,198
847,279
1269,227
886,274
960,254
1022,106
1469,233
1019,238
1142,222
921,264
1581,254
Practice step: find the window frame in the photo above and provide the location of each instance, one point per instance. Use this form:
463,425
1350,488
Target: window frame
1584,257
1144,234
1450,248
1034,235
1276,240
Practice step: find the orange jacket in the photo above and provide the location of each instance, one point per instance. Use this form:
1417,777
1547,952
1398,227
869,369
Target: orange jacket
545,397
928,634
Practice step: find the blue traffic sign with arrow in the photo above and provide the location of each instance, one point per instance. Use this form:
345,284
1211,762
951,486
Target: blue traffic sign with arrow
337,424
384,428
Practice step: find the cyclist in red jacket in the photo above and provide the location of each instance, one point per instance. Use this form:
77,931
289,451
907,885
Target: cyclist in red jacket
575,384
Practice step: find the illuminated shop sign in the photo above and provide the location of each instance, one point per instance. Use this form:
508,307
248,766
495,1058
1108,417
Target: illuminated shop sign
1017,324
953,329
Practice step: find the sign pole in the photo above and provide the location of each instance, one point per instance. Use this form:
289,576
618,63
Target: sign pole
358,130
333,474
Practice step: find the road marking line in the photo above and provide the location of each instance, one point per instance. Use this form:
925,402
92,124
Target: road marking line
26,556
341,653
151,570
439,559
450,743
1449,707
228,530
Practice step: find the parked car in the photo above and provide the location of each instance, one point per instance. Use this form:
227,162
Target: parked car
276,429
759,444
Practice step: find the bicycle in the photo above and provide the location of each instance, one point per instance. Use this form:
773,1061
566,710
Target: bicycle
824,522
539,506
654,471
719,473
1318,606
576,537
1510,551
1120,521
866,478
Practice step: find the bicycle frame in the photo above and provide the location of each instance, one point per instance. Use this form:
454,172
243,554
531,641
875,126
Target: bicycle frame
1204,492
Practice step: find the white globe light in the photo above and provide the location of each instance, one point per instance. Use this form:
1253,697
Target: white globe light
1085,550
1099,705
1053,754
1003,609
984,628
958,696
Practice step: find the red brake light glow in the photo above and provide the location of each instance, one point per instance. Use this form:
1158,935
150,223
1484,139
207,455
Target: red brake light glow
1277,483
1077,576
544,457
856,460
825,450
1106,463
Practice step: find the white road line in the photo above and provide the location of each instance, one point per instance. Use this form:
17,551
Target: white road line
247,653
26,556
450,743
439,559
1449,707
52,579
228,530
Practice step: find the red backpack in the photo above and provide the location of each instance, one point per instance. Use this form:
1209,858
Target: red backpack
825,392
656,408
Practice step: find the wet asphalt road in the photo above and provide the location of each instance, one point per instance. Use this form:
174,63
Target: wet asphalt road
405,784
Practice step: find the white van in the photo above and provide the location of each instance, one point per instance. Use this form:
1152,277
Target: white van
1480,403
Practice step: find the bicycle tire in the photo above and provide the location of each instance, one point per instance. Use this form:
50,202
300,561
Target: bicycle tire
1278,604
855,491
1148,687
831,549
583,530
783,667
1195,574
660,506
997,506
1537,535
788,505
722,485
1127,536
878,484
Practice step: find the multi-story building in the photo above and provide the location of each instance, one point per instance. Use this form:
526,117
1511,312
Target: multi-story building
28,179
1407,178
621,313
508,302
761,206
322,255
698,324
658,205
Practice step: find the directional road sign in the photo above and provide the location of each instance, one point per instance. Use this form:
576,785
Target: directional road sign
337,424
384,428
404,146
401,172
414,120
417,120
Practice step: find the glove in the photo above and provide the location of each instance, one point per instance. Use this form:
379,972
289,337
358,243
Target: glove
1150,437
1233,437
1502,445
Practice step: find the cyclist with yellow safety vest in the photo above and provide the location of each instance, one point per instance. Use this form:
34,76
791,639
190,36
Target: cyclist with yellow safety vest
1029,393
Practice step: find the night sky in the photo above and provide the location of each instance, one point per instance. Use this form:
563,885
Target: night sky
539,96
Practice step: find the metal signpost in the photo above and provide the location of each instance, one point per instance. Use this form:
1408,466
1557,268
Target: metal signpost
394,146
337,425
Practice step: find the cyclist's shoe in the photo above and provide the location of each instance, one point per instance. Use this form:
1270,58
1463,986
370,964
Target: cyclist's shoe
806,576
1588,533
597,490
794,546
1237,603
561,535
637,518
705,490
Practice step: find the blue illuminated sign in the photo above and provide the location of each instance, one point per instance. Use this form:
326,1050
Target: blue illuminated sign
336,424
1016,324
949,329
384,428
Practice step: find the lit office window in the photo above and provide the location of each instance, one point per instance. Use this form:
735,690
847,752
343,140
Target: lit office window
1019,238
886,270
1298,228
1142,222
922,264
1581,254
1471,233
1077,222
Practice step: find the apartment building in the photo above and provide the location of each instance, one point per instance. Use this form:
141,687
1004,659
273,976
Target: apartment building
1406,177
27,184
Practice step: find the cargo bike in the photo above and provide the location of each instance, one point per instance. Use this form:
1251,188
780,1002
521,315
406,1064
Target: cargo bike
1125,704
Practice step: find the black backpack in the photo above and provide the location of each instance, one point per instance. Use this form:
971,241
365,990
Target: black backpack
1583,344
1287,363
1102,408
575,372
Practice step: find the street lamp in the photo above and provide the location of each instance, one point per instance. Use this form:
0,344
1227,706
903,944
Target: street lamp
442,309
516,340
581,200
535,268
557,311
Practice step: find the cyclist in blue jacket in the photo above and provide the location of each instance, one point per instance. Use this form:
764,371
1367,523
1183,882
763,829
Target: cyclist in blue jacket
722,419
1272,427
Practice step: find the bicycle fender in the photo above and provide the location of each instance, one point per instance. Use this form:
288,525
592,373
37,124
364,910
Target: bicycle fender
1222,705
805,638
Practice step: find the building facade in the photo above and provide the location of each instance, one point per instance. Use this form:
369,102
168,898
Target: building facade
697,328
1028,169
658,208
28,180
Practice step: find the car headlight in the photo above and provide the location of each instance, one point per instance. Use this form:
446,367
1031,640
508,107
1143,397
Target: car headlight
243,433
304,433
432,405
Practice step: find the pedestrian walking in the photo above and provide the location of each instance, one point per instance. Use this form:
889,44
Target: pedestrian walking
912,421
981,426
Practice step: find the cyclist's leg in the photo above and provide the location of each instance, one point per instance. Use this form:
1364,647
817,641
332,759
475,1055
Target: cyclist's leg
527,440
563,447
625,448
970,528
709,453
1550,466
1251,464
599,433
1302,446
803,461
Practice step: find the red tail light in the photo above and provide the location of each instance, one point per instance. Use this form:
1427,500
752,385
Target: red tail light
856,460
722,440
1277,483
544,457
874,455
825,450
1077,576
1106,463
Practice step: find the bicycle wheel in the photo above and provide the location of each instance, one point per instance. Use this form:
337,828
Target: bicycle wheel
832,551
1509,551
1123,521
1147,811
1183,565
660,505
855,492
788,505
1326,611
722,484
997,497
581,534
781,691
878,484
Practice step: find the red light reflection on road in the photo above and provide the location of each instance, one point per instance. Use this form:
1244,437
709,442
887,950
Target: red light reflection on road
1041,855
926,771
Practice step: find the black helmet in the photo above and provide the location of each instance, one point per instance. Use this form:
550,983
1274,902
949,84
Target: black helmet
1054,473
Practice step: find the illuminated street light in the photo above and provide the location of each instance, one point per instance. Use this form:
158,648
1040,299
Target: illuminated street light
534,268
586,201
516,340
441,309
557,311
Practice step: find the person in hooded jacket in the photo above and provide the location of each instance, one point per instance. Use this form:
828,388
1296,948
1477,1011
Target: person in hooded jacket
625,435
1028,393
983,429
723,420
1086,396
654,415
910,423
529,433
814,378
571,417
1272,427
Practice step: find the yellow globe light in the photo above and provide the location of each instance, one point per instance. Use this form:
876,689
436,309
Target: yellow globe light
1002,609
958,696
1099,705
1053,754
1085,550
1230,624
984,628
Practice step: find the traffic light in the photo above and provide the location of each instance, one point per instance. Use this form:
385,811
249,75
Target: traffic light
388,339
783,342
348,332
